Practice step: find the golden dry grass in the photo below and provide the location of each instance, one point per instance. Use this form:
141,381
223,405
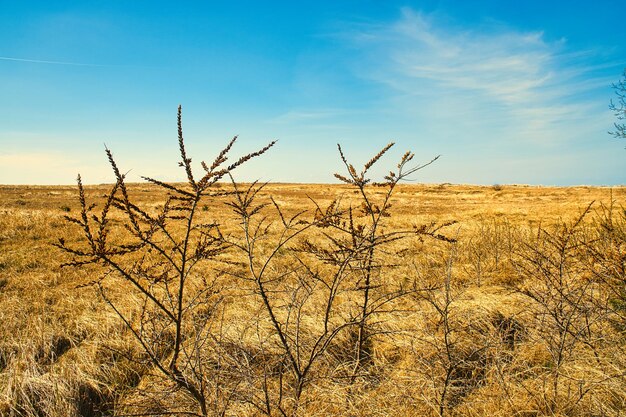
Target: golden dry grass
63,352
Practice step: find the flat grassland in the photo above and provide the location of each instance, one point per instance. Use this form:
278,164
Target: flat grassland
515,306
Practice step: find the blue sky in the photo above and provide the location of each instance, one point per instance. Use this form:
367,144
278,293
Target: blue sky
506,92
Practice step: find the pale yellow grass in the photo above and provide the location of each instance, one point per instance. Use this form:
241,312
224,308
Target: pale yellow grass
64,353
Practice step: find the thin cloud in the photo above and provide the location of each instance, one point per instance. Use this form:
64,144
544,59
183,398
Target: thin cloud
40,61
70,63
502,79
508,67
300,116
312,116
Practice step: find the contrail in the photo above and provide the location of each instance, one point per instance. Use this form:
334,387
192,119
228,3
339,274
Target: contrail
39,61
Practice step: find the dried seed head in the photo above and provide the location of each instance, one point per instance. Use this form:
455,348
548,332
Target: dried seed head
377,156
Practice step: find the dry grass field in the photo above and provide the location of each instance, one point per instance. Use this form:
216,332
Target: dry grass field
516,308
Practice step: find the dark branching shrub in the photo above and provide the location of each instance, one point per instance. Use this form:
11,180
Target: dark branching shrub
619,108
158,255
568,320
606,258
359,237
315,281
319,279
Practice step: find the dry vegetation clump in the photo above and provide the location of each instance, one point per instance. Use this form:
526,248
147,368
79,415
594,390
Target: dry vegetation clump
365,299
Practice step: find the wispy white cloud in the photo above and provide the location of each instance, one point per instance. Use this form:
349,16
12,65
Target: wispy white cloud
509,67
494,80
299,116
40,61
70,63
